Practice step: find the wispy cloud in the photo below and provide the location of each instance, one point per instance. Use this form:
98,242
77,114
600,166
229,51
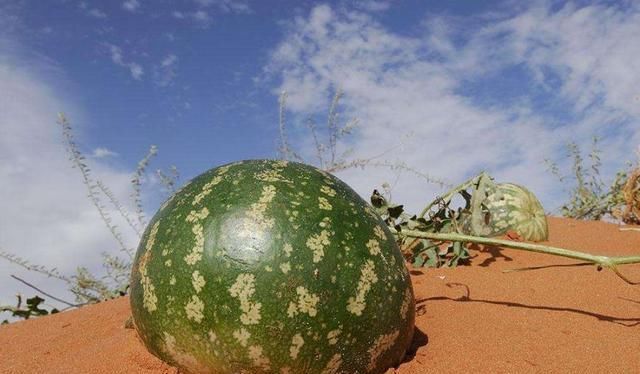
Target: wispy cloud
166,72
575,66
200,18
373,5
90,11
134,68
102,152
169,61
131,5
97,13
46,218
201,15
227,6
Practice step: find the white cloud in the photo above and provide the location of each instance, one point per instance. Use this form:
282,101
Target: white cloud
102,152
131,5
92,12
399,85
97,13
116,54
227,6
373,5
135,69
166,72
200,17
170,60
47,218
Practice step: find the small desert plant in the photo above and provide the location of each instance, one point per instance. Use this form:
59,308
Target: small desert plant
31,309
326,139
630,211
590,198
87,287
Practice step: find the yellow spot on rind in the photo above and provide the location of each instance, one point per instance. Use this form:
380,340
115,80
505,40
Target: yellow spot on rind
328,191
296,343
374,247
379,232
149,298
243,289
317,243
197,281
194,309
258,209
368,277
382,344
306,303
332,336
285,267
206,190
258,358
242,336
196,217
324,204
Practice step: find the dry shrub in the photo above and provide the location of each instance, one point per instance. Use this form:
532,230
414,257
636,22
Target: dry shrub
631,195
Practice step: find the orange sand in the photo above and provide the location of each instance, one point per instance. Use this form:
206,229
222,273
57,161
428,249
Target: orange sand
558,318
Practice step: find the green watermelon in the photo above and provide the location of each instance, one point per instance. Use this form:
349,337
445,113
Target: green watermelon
508,206
271,267
513,207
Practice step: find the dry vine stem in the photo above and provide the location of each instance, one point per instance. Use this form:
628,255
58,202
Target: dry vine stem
600,261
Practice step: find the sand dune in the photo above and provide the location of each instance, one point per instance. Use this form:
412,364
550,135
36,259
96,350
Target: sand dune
560,318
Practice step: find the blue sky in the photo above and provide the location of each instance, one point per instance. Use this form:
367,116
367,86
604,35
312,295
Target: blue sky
447,88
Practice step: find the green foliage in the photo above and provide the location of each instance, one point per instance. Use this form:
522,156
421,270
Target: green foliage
590,198
489,209
32,309
421,251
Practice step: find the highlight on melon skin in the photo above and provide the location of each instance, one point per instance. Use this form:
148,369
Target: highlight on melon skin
267,266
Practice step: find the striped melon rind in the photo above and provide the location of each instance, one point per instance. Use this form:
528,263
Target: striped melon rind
513,207
271,267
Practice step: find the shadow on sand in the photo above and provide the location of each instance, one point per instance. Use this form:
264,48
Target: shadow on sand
466,298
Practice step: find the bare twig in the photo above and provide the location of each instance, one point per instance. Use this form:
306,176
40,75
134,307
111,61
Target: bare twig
285,151
118,206
45,293
79,161
137,181
316,141
169,181
332,126
53,273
